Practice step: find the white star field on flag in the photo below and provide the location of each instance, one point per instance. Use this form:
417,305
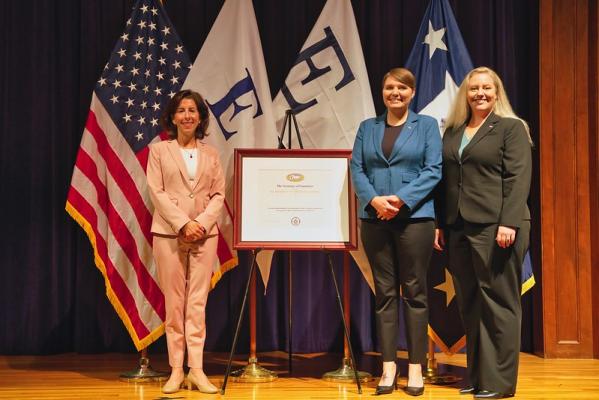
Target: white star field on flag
145,68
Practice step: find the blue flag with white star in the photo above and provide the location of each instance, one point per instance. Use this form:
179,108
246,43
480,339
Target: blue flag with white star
440,61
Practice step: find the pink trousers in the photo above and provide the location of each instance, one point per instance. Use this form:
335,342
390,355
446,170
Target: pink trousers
184,273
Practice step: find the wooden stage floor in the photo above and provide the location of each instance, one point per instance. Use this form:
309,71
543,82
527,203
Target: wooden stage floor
74,376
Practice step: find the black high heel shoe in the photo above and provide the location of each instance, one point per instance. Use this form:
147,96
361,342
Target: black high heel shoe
414,390
468,390
487,394
388,389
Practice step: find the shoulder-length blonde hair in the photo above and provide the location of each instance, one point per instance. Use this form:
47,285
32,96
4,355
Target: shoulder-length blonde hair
460,111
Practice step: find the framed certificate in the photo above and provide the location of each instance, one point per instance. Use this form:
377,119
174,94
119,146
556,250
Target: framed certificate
294,200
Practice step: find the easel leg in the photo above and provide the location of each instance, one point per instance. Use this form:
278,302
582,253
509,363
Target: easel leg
345,373
351,351
245,296
290,313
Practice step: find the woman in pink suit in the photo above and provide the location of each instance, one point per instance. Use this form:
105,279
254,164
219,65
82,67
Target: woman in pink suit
187,189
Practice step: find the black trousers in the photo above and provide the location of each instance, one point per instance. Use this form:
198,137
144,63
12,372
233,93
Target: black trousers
488,281
399,254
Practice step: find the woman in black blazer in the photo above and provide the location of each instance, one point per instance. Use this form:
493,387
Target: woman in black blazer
486,223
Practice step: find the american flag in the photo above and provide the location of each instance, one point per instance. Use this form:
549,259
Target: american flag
108,196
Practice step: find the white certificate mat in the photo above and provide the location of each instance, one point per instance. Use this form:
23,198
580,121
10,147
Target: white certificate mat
291,199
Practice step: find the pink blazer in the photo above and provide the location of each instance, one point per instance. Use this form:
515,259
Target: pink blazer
176,201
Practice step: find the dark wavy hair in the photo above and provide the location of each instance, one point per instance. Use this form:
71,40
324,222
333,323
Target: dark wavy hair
171,108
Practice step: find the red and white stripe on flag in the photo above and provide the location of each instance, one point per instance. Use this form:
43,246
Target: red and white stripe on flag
108,196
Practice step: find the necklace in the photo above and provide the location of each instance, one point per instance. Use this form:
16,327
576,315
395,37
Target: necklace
189,152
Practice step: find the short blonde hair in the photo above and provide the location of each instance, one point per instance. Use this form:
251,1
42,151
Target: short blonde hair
460,110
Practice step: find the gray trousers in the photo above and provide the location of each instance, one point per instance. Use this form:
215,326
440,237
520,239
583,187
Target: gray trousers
399,254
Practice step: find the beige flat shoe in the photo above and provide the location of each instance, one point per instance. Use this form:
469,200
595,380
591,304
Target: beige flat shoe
208,388
172,386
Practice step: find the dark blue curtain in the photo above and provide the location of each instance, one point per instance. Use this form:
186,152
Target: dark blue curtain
51,295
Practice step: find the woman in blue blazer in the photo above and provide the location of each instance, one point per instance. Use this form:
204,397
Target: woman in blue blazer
396,163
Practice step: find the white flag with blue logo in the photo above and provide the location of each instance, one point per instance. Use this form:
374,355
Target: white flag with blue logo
230,73
328,89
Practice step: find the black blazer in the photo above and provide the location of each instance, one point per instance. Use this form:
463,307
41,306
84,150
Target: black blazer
490,182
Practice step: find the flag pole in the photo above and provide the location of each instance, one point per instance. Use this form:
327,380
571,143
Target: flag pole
431,374
143,373
253,372
290,301
346,373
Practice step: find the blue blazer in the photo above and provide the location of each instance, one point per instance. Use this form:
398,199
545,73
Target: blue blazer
412,171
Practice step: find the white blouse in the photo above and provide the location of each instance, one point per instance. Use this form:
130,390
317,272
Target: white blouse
190,156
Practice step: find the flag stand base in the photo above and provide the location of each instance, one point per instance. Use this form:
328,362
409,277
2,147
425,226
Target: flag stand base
143,373
346,373
431,374
253,373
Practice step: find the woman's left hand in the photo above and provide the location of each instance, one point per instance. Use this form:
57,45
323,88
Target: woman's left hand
193,231
395,201
505,236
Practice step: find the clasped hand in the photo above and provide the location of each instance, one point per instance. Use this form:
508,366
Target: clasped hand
386,207
192,231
